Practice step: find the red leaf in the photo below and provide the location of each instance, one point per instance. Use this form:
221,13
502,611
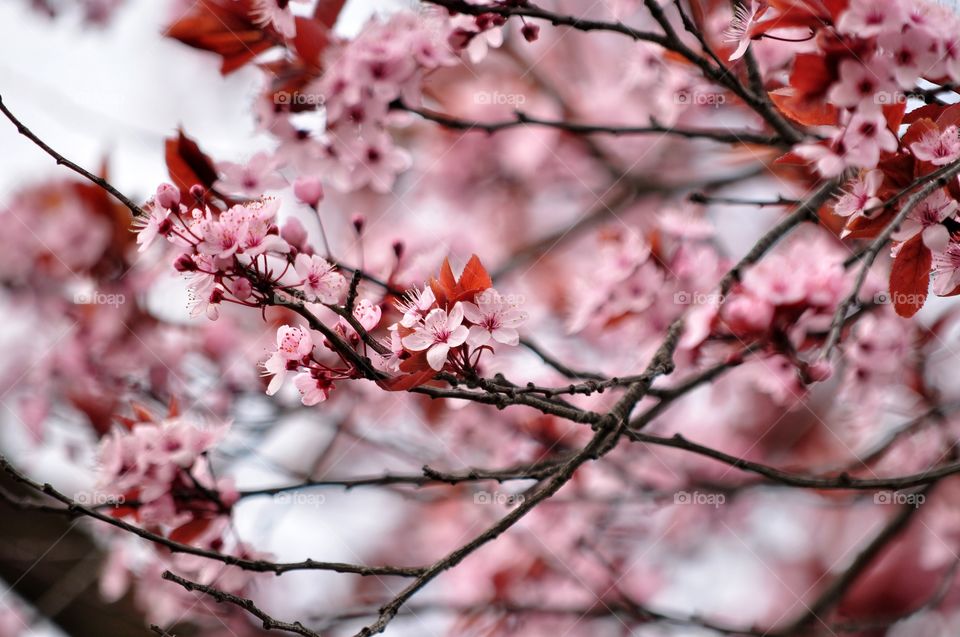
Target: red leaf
475,276
910,277
328,11
186,533
311,41
188,165
803,110
224,27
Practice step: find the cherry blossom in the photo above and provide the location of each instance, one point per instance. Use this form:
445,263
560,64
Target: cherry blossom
927,219
438,334
320,280
293,345
861,195
255,177
938,148
493,316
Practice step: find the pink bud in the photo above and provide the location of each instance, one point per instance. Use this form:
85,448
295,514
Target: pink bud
294,233
168,196
197,192
185,263
241,289
358,222
309,190
530,32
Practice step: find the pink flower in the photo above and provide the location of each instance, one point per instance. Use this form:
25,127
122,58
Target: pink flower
168,196
314,386
493,317
774,280
740,29
869,18
927,218
946,269
912,55
321,282
746,313
437,334
865,137
861,194
251,179
156,223
276,14
866,85
938,148
293,345
394,345
415,305
379,163
825,159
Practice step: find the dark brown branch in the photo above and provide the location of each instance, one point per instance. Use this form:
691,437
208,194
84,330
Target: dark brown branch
63,161
269,623
521,118
73,508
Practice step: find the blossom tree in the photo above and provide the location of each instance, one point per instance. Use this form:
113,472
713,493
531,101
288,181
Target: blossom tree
517,319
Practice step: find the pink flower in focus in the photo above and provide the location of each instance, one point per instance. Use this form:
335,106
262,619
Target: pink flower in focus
946,269
741,25
321,282
438,334
927,218
314,387
415,305
938,148
293,345
493,317
861,194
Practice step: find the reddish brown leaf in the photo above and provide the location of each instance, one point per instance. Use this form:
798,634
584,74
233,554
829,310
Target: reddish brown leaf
328,11
475,277
188,165
910,277
806,111
186,533
224,27
311,41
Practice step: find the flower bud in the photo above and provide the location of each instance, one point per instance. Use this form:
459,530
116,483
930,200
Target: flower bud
309,190
530,32
168,196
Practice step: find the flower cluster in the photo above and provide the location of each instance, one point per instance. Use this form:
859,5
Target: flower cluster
854,73
386,62
155,471
450,323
